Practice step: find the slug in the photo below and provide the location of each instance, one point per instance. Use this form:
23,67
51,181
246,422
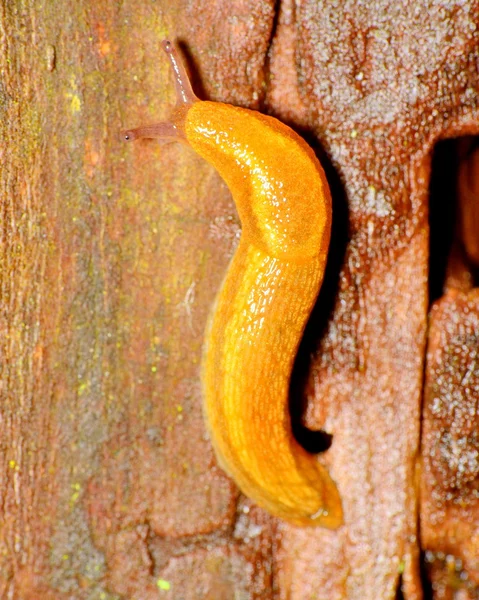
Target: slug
284,204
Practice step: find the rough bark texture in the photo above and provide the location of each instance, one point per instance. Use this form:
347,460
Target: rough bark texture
110,258
450,445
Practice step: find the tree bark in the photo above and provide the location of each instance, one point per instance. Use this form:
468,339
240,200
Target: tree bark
111,256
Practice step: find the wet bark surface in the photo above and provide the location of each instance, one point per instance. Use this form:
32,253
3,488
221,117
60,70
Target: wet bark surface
110,259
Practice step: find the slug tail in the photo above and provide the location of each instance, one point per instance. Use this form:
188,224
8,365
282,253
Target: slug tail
250,352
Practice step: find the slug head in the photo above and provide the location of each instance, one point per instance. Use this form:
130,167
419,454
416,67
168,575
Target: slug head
174,128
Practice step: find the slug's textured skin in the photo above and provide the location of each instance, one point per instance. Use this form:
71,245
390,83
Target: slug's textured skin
284,204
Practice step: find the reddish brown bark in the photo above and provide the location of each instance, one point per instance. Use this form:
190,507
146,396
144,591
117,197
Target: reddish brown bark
368,87
111,257
450,446
468,193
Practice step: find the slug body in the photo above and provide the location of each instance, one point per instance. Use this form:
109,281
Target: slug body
271,286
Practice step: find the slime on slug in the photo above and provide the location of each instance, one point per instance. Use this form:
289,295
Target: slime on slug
284,204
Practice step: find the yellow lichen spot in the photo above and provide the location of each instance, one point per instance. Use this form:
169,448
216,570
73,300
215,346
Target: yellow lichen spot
82,387
179,408
75,105
75,101
153,369
163,585
76,493
65,557
12,464
354,133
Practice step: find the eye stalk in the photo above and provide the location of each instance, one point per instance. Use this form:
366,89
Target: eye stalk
173,129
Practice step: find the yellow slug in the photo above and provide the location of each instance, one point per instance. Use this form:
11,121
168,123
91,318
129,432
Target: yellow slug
284,204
